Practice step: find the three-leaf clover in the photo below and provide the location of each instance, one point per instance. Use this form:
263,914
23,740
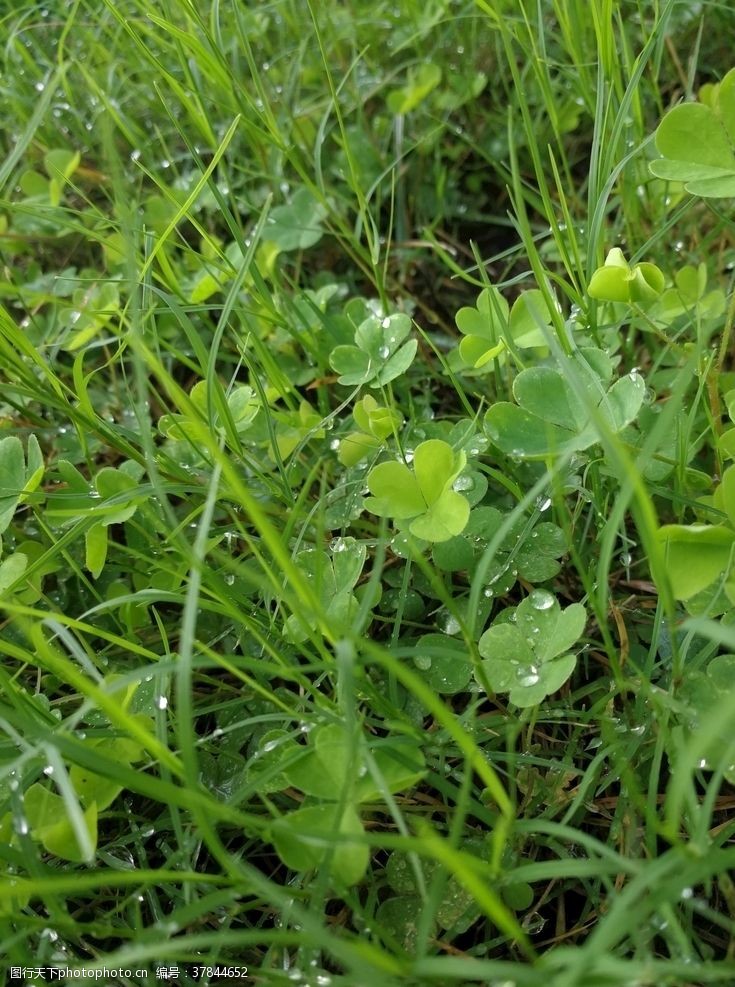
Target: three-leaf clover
689,297
424,496
333,582
527,650
330,768
377,356
553,417
697,143
487,326
531,554
617,281
296,225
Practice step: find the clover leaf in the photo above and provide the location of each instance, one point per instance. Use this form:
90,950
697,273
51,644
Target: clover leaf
18,476
425,496
617,281
697,141
333,581
702,692
298,224
527,651
553,417
487,326
307,838
698,554
375,424
688,297
531,554
377,356
51,825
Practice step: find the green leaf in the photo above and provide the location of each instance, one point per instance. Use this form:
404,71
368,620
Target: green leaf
446,518
425,495
444,663
696,143
398,765
11,571
522,435
396,492
116,486
12,478
353,365
523,652
483,327
553,418
398,364
421,81
401,917
696,555
528,318
95,308
50,825
95,547
298,224
305,838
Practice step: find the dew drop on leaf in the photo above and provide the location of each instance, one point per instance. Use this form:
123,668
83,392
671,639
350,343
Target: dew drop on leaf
541,599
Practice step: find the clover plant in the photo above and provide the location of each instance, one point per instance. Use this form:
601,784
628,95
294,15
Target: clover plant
489,325
378,355
528,651
327,771
552,416
423,496
333,577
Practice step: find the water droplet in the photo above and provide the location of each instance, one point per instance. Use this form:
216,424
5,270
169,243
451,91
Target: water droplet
626,558
450,624
383,352
230,578
385,324
686,894
527,675
543,503
48,770
40,86
135,155
21,826
488,593
541,599
161,702
423,662
337,545
334,444
463,483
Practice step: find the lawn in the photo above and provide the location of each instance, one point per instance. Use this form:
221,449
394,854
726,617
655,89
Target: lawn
367,493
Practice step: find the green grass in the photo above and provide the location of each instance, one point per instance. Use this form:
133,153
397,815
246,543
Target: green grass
225,735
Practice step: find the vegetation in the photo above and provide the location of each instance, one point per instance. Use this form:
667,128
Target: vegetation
367,493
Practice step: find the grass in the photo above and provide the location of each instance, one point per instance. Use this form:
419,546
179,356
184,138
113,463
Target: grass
247,719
